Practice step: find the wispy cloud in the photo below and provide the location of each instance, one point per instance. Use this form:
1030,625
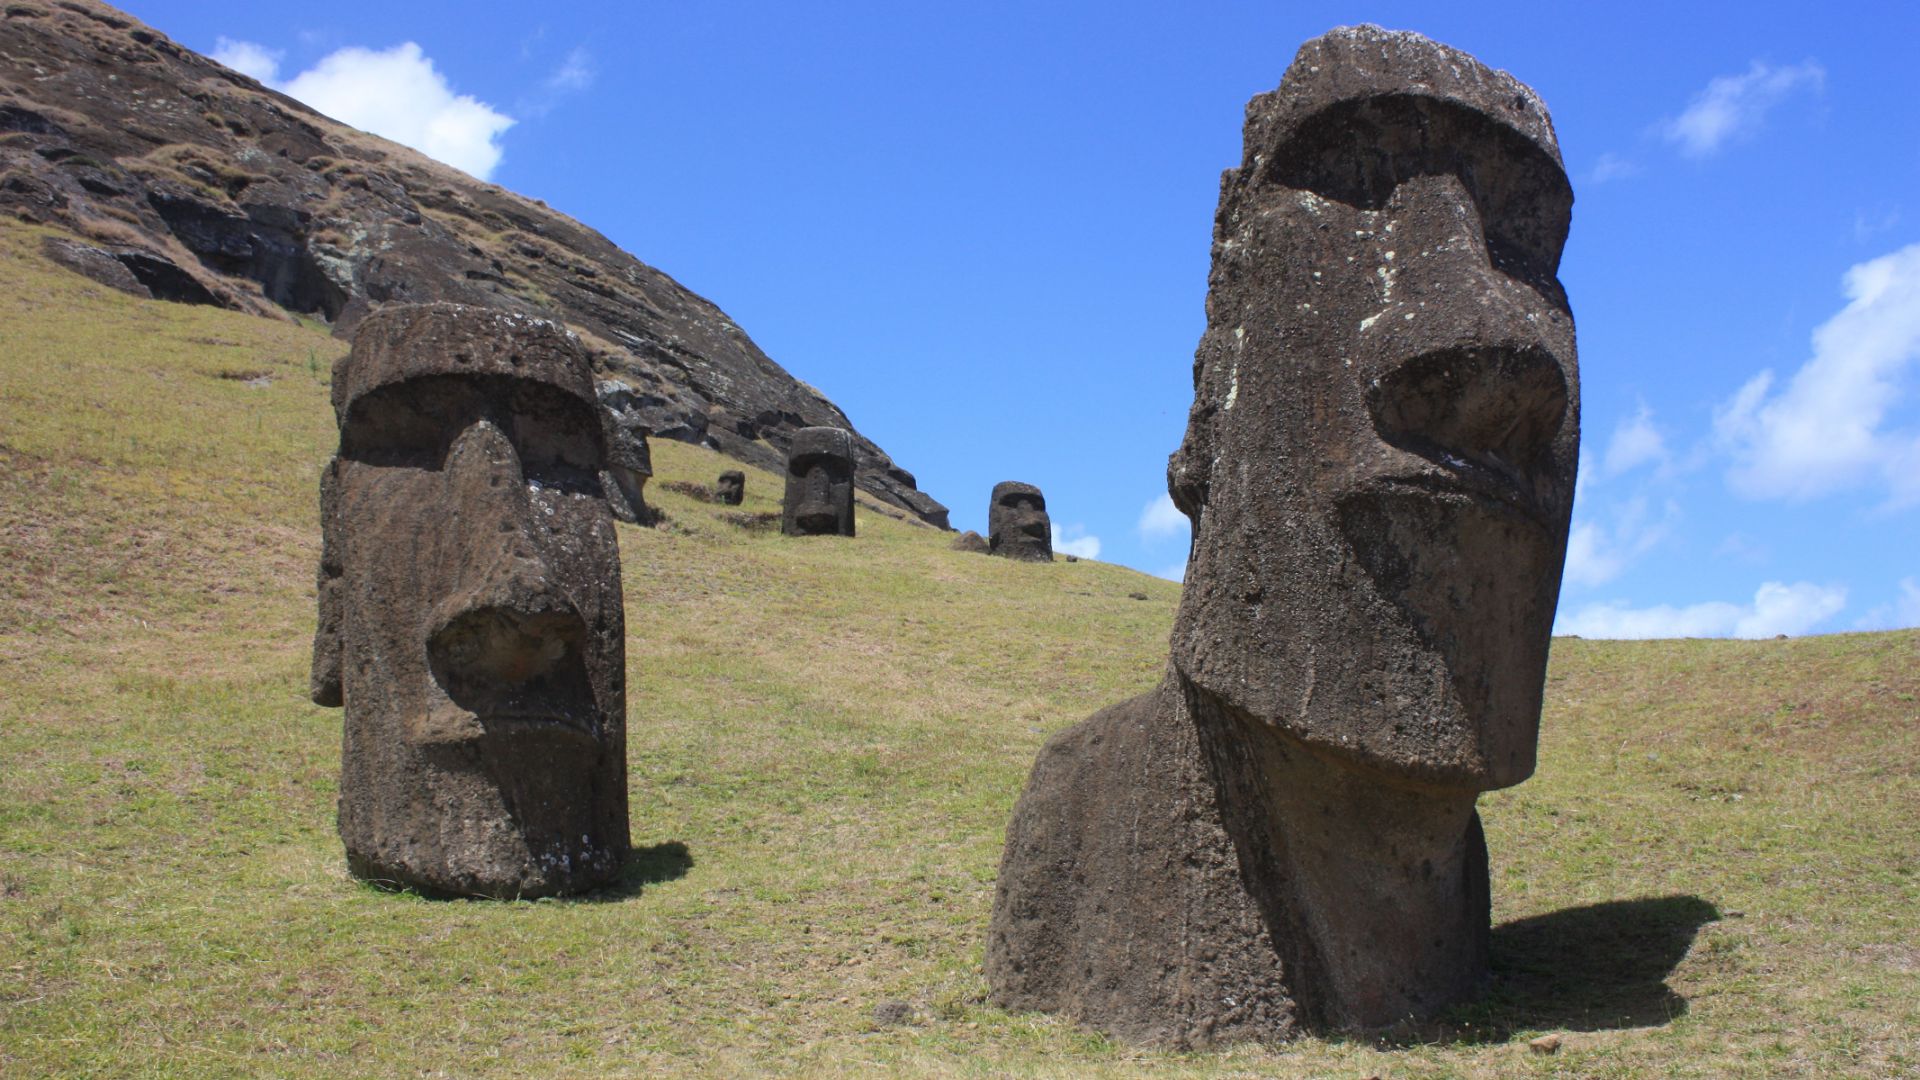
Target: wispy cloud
1776,609
1073,540
1826,430
1901,612
1161,519
575,73
1734,106
1597,553
1174,572
395,93
1635,442
1612,166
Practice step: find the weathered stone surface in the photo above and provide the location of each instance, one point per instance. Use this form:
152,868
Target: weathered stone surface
1379,465
629,459
972,542
210,188
731,488
470,612
1017,523
819,496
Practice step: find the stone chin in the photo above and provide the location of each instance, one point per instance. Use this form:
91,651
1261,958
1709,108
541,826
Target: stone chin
1402,632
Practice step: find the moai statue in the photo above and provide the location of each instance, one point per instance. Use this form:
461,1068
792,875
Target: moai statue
629,459
1379,467
470,612
1017,524
819,498
731,489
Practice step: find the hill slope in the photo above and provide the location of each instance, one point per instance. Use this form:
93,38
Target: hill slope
1714,873
180,179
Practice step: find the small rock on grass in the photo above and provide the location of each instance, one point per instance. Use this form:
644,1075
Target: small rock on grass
889,1013
1545,1044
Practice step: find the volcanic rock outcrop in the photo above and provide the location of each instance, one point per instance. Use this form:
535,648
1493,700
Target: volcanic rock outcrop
470,611
1379,466
819,495
180,179
1017,523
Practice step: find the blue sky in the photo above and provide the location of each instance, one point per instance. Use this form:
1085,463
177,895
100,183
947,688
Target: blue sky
982,230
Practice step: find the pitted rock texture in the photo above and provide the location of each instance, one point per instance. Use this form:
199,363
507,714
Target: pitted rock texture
1017,523
207,187
819,495
1379,465
629,458
470,612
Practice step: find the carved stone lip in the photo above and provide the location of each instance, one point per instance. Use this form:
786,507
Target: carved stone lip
1481,484
511,724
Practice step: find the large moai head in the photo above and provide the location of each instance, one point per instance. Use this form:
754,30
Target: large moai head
1379,461
819,500
470,610
731,490
1017,523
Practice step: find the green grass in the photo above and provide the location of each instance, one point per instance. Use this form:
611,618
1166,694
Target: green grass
1713,874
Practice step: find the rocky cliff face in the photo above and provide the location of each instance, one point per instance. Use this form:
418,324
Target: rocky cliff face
185,181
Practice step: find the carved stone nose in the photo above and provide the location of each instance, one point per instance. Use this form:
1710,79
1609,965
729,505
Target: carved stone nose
505,637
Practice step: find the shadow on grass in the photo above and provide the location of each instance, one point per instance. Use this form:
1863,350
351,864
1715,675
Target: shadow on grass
646,866
1589,968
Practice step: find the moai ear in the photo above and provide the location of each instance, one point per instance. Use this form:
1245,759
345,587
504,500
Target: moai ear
324,687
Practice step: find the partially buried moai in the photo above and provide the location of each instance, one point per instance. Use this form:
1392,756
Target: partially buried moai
1379,466
819,499
1017,523
731,489
629,459
470,612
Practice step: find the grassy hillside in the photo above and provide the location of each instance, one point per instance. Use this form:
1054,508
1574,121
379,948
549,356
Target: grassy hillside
1715,873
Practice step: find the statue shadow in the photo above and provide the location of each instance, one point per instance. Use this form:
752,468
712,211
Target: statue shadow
1590,968
644,867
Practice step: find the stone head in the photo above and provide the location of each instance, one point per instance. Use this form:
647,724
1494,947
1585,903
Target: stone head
731,489
1379,462
1017,523
471,618
819,497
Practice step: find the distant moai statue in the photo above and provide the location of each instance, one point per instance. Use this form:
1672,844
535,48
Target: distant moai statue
629,459
819,499
1379,466
470,611
1017,523
731,489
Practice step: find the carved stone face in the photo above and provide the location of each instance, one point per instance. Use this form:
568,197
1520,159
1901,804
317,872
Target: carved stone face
1017,523
1380,457
819,498
471,615
731,489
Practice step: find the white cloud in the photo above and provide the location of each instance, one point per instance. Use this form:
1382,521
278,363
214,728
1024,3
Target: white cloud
1175,572
247,58
1073,540
1822,432
1161,519
1084,547
1596,554
1635,442
1776,609
1733,106
395,93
